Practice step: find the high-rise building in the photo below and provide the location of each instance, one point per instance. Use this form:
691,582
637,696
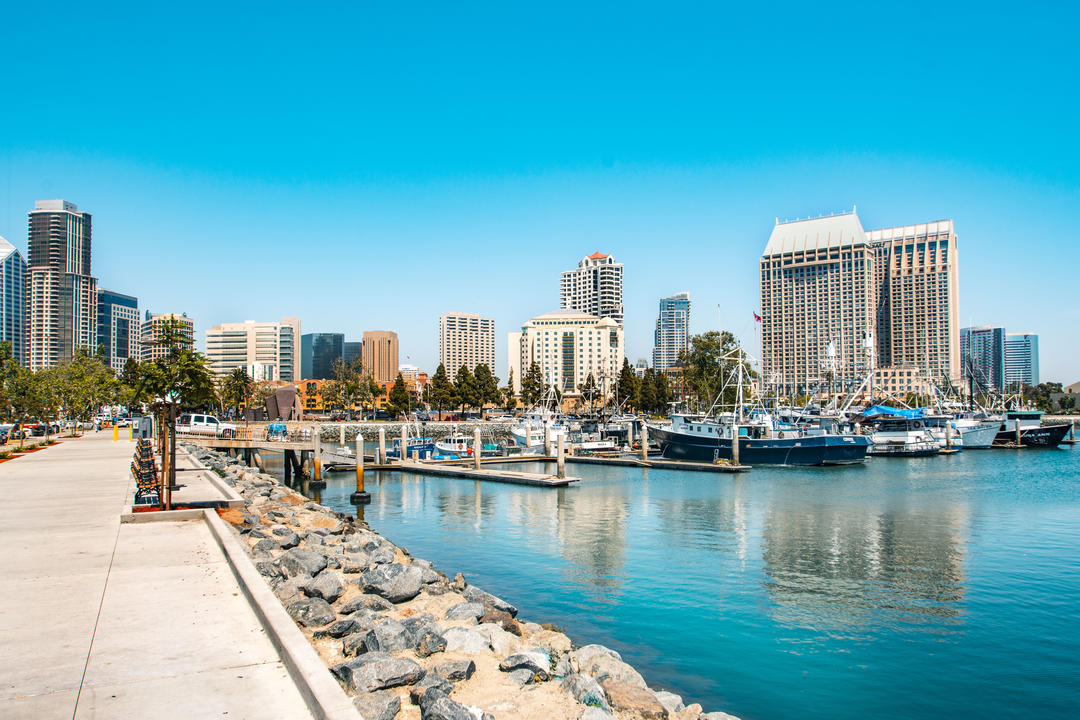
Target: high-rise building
1021,359
380,355
118,327
319,352
835,298
594,287
982,357
352,351
13,300
568,346
274,346
466,339
672,337
62,295
152,330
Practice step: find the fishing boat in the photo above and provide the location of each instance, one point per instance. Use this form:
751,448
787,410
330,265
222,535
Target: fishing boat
542,420
1032,432
455,444
977,430
337,457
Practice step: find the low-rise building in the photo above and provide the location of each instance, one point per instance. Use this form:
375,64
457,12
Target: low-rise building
568,346
235,345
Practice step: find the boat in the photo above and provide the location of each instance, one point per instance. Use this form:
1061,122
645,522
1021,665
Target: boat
542,420
899,432
455,444
1032,432
338,457
977,430
707,439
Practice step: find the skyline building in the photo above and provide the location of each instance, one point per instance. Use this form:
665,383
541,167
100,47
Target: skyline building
352,351
568,346
13,277
1021,359
379,355
151,330
982,356
61,292
268,350
594,287
672,336
118,327
466,339
836,298
318,353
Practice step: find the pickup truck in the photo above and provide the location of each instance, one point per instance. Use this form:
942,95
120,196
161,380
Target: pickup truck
195,424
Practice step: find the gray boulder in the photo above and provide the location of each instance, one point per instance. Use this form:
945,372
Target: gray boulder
417,691
300,562
466,641
388,636
475,594
586,691
313,612
377,671
383,705
437,705
327,585
605,664
522,677
534,662
265,544
340,628
455,670
671,702
629,698
354,644
396,583
285,537
370,602
270,569
465,611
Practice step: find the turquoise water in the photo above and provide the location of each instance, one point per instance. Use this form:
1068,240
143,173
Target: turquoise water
939,587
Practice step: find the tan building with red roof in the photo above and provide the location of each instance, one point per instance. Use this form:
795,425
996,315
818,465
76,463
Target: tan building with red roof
594,287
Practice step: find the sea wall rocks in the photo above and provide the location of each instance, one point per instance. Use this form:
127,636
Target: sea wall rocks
409,643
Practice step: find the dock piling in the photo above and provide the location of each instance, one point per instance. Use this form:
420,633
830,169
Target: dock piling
1018,432
402,454
547,440
382,445
361,496
644,441
734,443
560,461
477,448
341,435
316,457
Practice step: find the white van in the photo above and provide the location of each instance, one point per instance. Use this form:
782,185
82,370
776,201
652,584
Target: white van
196,424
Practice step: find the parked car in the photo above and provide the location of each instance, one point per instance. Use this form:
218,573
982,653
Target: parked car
196,424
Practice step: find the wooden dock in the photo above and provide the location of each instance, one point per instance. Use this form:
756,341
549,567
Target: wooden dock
658,463
504,476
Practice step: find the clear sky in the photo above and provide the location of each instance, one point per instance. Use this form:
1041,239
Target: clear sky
370,166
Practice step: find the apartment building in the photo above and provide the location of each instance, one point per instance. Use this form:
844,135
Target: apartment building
466,339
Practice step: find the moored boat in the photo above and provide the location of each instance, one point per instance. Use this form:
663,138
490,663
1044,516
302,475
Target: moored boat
1032,432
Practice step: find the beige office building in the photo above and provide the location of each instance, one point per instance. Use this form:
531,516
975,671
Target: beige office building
594,287
568,346
380,355
836,298
268,349
466,339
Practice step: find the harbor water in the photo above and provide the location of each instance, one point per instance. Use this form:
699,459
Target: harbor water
940,587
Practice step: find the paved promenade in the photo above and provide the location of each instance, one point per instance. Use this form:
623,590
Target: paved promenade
103,620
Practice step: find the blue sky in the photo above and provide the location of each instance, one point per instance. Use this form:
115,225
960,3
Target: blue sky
386,164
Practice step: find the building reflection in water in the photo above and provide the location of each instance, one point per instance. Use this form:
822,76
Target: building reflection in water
835,568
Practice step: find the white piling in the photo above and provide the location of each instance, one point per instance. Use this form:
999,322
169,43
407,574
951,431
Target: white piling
382,445
477,448
560,461
644,441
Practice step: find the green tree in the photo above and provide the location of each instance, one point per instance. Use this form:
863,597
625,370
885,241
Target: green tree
532,385
441,391
645,393
238,390
662,394
627,386
487,387
399,397
9,380
465,389
509,401
710,365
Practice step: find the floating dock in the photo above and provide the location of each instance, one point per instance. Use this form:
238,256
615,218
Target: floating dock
658,463
503,476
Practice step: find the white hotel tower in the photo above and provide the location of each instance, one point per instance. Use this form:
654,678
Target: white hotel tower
595,287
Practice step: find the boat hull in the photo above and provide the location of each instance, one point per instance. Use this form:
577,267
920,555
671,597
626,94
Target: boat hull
820,450
1042,436
978,437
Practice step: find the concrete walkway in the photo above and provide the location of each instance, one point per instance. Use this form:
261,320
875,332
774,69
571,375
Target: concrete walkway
103,620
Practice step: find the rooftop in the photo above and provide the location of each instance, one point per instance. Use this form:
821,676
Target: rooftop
816,233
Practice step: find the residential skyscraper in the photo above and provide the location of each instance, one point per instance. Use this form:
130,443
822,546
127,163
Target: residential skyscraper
270,350
835,298
1021,359
13,300
466,339
380,355
568,346
118,327
594,287
672,337
152,328
61,293
982,356
318,354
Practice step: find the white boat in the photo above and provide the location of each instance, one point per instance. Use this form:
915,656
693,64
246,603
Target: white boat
901,437
544,418
332,457
977,430
455,444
